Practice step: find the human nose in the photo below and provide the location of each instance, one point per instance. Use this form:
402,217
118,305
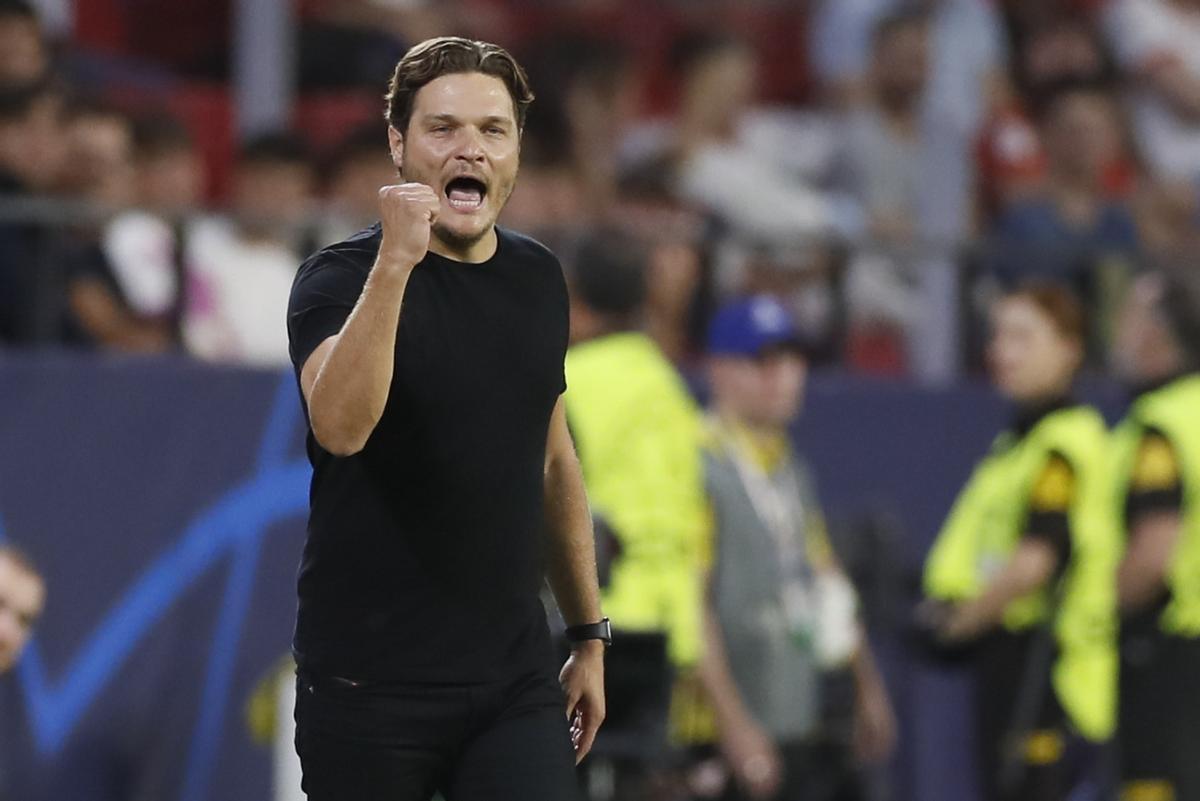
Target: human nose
470,146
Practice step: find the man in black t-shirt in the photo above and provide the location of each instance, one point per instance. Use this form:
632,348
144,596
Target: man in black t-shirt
429,350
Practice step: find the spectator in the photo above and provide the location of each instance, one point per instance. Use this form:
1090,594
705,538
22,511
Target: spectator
359,167
678,278
967,56
1158,44
638,434
756,170
24,56
901,293
780,613
31,158
1011,161
1067,229
100,152
586,96
142,246
22,596
240,270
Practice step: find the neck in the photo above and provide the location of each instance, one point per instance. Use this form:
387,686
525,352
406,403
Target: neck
475,252
758,430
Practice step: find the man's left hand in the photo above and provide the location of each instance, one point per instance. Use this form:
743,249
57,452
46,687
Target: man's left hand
582,680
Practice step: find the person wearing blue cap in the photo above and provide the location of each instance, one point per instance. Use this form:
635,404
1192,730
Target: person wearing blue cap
779,612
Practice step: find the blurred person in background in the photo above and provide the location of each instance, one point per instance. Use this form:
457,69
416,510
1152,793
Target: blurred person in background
637,430
22,596
1023,570
1056,52
967,55
24,53
359,167
100,152
1157,501
143,245
99,145
32,152
757,170
240,268
900,284
1072,228
780,616
678,275
1157,43
587,93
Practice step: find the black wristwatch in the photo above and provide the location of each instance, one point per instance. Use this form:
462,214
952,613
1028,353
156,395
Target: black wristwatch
591,631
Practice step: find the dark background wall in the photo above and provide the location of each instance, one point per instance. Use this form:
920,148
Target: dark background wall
165,502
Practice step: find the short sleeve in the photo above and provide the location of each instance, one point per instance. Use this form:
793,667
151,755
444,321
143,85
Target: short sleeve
1156,483
1050,504
325,291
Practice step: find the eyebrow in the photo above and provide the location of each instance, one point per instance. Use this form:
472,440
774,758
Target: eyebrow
450,118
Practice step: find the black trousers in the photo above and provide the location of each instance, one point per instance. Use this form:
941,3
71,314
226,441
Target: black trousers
507,741
1158,734
1049,760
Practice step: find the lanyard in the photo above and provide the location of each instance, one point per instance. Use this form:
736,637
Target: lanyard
779,507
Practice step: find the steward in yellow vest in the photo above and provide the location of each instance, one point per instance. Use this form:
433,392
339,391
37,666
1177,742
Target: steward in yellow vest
638,432
1023,568
1157,501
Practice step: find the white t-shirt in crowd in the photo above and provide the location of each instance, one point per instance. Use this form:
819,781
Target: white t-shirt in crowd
1146,33
237,296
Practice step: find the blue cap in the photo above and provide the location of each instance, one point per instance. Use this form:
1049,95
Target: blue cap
749,326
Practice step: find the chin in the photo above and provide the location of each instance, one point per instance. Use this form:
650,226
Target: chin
462,235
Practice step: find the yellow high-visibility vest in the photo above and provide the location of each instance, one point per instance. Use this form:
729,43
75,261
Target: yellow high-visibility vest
986,525
1175,411
638,432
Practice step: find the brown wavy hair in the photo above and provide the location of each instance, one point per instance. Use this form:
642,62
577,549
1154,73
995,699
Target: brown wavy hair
449,55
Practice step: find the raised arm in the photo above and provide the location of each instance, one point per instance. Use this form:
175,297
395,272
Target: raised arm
347,378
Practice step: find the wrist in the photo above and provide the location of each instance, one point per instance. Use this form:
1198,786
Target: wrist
588,648
581,633
393,265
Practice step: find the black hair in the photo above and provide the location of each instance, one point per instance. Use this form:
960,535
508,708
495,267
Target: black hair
19,8
1049,98
608,274
159,134
17,100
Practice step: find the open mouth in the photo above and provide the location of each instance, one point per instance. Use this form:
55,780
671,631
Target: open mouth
466,194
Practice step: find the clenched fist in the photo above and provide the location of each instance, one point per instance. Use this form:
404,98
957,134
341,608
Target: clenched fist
407,213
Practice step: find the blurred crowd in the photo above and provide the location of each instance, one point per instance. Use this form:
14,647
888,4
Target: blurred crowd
884,166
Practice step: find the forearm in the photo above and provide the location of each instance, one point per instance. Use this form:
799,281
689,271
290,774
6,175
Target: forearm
1029,568
716,676
570,544
351,386
1141,575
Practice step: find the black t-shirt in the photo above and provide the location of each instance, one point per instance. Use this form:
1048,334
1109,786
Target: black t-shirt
423,561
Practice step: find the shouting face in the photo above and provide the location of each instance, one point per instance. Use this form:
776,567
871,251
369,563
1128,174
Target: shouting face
463,141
